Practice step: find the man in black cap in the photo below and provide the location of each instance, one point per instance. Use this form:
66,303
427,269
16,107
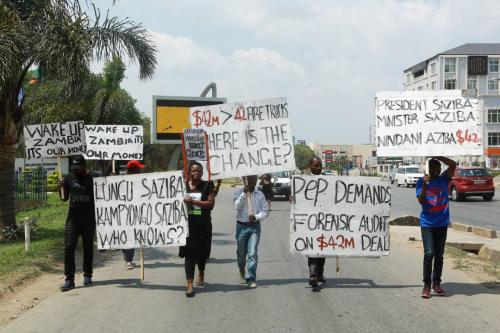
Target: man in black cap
80,221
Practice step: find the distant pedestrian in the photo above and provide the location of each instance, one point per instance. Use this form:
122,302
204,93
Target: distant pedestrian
80,221
432,194
133,167
316,264
251,209
266,186
200,200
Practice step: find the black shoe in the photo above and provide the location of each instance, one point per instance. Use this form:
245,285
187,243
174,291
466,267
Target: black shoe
190,294
68,285
87,281
313,282
322,279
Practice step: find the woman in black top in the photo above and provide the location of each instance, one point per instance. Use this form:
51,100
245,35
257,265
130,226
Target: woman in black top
200,200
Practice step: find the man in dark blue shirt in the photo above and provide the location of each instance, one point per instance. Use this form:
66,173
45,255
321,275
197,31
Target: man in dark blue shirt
432,194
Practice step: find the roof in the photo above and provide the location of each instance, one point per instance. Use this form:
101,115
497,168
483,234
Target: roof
465,49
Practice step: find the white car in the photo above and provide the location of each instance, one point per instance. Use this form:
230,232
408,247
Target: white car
408,175
282,183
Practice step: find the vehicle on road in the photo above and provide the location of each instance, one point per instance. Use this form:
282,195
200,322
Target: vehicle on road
282,183
407,175
328,173
473,181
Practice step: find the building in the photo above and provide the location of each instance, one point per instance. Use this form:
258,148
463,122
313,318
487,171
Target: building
361,156
474,69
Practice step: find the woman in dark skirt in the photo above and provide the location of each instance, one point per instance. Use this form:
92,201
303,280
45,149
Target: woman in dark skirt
200,200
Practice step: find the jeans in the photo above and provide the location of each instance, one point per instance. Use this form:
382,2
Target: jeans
247,237
84,227
128,255
434,240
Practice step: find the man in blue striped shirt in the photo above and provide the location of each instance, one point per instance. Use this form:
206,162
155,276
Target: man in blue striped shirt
251,208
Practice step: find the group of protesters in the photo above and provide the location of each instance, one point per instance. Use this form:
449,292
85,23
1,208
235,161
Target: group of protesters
252,207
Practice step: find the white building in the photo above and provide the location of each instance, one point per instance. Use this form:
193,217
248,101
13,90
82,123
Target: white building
474,69
357,156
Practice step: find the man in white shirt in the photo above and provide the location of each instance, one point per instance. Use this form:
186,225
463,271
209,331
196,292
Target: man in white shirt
251,208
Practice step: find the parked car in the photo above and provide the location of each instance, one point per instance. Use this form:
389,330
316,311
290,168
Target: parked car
408,175
282,183
328,172
474,181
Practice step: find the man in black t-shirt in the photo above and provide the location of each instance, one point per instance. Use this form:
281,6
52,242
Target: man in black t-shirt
78,189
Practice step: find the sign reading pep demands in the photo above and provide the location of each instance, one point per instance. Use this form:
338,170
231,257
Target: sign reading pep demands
427,123
340,216
246,138
114,142
194,144
142,210
56,139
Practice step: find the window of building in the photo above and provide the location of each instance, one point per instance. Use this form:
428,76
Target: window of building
433,85
493,85
433,68
449,84
449,65
408,78
420,88
494,115
471,83
494,139
493,65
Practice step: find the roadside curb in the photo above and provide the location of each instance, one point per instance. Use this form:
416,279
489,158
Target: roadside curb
482,241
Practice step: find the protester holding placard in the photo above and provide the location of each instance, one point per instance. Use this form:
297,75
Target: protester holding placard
316,264
432,194
200,200
133,167
251,208
78,189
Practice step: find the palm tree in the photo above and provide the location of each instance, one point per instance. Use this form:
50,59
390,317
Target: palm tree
63,39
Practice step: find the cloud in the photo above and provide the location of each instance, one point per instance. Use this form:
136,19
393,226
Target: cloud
328,57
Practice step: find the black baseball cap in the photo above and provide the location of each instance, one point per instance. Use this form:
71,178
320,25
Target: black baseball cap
78,163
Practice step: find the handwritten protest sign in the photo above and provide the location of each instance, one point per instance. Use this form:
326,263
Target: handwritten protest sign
246,138
114,142
194,144
142,210
427,123
55,139
340,216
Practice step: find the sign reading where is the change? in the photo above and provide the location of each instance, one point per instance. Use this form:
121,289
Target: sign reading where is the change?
427,123
54,140
246,138
141,210
340,216
114,142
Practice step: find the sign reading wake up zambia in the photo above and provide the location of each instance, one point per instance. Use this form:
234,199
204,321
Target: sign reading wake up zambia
427,123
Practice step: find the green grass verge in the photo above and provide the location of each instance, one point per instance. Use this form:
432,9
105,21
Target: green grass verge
46,249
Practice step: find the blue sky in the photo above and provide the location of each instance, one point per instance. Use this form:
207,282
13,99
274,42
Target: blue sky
328,57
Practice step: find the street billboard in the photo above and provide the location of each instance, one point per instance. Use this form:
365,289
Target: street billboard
171,116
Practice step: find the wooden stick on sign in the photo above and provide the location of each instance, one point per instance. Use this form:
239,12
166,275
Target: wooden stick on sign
60,175
113,167
142,263
338,266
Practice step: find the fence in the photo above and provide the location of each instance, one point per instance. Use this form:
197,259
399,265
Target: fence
31,189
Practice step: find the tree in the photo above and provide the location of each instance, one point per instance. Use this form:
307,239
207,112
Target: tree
303,154
63,39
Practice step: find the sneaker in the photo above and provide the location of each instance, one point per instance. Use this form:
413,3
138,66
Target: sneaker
87,281
436,288
68,285
426,292
313,282
252,284
129,265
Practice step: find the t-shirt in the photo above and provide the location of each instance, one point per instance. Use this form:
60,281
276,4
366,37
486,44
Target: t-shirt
435,211
81,195
200,219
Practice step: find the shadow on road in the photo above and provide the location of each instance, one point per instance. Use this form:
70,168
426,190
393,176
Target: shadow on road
471,289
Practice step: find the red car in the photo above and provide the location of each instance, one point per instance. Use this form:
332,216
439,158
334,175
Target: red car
473,181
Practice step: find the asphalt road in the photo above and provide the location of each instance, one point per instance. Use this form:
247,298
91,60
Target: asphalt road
473,211
370,295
